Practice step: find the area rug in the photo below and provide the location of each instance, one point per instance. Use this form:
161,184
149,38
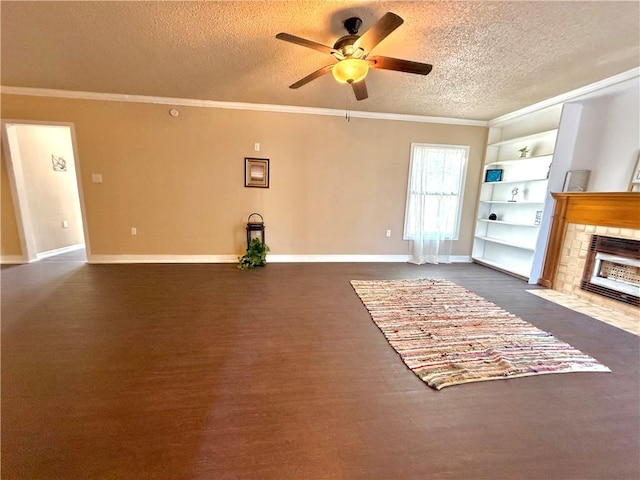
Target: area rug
448,335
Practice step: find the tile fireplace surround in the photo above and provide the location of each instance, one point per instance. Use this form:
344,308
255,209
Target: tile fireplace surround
573,257
578,216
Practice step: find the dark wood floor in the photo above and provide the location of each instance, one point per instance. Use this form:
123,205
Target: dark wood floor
209,372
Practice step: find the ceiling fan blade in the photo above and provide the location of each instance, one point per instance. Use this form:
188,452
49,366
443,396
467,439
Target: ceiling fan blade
360,90
379,31
388,63
306,43
311,76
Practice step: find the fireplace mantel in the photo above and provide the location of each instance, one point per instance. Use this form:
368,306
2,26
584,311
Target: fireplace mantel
609,209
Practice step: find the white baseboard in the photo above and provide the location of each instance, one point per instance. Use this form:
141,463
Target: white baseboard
59,251
270,258
353,258
12,259
335,258
162,258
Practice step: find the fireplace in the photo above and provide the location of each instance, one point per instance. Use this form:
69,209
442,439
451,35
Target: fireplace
577,217
612,269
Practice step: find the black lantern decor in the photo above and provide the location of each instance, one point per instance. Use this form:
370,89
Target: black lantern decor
255,229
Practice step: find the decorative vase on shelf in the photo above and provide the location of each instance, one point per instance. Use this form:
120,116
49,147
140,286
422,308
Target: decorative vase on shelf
524,152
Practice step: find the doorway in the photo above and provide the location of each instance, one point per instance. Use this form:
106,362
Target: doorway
45,184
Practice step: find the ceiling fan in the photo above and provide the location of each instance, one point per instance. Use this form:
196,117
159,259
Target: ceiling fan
352,54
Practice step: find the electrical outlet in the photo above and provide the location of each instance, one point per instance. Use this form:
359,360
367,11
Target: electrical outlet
388,233
134,231
256,147
65,224
96,177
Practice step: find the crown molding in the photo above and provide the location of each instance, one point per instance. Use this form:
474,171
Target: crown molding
258,107
568,96
263,107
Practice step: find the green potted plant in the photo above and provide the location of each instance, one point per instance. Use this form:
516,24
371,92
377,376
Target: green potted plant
256,255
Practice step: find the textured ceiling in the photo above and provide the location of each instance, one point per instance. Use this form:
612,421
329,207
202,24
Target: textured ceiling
489,58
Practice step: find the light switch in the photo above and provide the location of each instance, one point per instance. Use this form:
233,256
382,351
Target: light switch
65,224
96,177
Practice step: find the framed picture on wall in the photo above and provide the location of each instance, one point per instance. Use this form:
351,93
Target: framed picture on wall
59,163
256,172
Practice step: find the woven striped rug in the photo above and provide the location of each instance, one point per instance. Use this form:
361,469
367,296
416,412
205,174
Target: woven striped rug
448,335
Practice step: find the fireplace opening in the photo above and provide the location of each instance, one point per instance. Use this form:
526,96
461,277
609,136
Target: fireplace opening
612,269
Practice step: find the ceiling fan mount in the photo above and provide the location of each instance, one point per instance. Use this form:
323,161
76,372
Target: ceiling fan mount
352,25
353,54
345,45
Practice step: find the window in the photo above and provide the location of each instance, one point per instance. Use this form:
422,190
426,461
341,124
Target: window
434,192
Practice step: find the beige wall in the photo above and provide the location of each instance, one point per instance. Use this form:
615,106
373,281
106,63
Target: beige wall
336,186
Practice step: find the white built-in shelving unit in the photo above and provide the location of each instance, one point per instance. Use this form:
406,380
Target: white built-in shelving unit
509,242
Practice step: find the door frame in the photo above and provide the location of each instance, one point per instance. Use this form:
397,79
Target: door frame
18,185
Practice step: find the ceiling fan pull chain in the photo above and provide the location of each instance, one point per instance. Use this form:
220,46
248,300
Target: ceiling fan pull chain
347,110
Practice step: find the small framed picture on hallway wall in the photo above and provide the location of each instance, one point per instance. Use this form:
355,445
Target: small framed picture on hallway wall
256,172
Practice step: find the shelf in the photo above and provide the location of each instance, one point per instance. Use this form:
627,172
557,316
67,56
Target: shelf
502,222
502,266
518,160
526,138
511,203
510,244
505,242
516,181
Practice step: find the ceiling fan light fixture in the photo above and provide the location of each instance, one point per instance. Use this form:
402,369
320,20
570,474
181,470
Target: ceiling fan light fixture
352,54
350,70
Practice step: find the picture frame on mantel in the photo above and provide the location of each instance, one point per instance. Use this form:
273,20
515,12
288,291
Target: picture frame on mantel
576,181
256,172
634,184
